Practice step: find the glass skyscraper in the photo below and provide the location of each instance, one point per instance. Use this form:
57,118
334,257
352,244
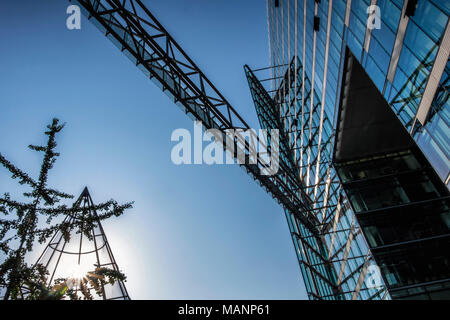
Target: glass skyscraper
359,90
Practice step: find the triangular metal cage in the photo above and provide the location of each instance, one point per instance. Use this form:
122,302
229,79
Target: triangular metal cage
74,258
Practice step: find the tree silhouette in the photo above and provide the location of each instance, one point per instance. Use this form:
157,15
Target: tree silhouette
20,227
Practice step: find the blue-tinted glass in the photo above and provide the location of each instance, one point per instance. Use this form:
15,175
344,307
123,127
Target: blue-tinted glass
431,19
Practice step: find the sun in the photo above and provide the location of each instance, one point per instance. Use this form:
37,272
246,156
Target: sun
78,273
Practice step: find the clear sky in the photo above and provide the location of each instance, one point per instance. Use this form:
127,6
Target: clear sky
195,232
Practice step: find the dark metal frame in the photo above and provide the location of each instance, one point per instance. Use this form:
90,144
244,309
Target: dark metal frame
131,26
58,241
137,33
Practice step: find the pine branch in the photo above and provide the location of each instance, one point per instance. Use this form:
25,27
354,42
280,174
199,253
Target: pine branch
24,178
111,208
17,173
57,211
64,227
37,148
49,158
59,194
10,205
86,223
14,272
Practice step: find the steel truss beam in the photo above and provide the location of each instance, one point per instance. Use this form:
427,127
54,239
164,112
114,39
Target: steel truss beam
311,249
133,28
319,260
140,36
411,92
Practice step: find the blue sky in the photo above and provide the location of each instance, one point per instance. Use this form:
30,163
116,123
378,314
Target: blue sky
195,232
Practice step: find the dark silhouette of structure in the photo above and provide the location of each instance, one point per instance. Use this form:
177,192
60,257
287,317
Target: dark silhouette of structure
86,250
328,231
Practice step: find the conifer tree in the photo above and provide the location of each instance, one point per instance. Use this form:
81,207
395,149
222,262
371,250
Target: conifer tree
21,225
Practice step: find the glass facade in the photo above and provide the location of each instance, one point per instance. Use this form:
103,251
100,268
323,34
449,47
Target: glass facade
403,210
334,258
400,202
403,46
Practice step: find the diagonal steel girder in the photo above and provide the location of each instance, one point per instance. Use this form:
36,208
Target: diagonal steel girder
318,271
137,33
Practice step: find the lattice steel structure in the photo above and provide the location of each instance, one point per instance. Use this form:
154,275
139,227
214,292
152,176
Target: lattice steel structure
136,32
80,255
333,255
406,59
406,56
131,26
344,256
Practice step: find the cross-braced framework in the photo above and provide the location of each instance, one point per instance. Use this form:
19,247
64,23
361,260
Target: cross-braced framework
317,227
137,33
408,97
336,266
77,258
